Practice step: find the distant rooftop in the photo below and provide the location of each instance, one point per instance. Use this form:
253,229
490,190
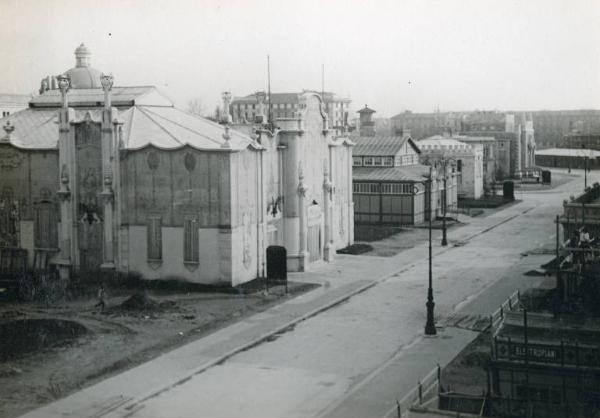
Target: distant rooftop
14,99
277,98
411,173
381,145
439,142
569,152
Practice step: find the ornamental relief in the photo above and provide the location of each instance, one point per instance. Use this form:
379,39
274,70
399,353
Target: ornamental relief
10,159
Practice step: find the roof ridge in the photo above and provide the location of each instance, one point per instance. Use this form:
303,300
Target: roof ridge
130,125
157,124
180,125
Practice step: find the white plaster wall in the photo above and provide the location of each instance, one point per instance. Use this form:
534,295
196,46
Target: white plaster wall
172,265
244,244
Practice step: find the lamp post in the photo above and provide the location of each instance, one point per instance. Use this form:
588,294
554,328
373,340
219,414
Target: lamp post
430,324
444,164
585,168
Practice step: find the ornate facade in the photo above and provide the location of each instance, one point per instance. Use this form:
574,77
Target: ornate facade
100,177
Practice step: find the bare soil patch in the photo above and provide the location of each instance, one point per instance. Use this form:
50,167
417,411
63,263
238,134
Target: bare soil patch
48,352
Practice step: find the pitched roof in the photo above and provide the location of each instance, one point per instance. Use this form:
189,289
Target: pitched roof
380,145
120,96
366,109
162,127
410,173
171,128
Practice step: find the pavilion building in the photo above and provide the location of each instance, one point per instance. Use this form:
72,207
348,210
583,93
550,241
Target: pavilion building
98,177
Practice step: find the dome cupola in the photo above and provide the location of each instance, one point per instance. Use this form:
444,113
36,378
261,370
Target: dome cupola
83,76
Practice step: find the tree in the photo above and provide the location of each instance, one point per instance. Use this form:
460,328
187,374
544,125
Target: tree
195,107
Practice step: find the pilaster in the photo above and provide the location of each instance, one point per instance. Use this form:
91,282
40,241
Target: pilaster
108,175
67,175
302,243
329,248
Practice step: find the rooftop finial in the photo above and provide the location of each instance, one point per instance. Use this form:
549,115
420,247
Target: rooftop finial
107,83
64,84
82,56
8,128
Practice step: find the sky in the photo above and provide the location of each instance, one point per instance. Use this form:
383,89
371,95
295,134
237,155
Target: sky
392,55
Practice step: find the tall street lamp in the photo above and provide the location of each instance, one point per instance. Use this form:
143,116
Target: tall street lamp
430,304
444,163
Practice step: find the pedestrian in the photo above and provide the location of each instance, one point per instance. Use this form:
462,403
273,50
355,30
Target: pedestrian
574,245
101,302
584,242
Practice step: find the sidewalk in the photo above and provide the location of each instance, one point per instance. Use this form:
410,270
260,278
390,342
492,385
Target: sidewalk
346,277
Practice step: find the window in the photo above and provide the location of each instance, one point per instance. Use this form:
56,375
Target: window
366,188
459,166
377,161
356,161
190,240
367,161
154,229
397,188
388,161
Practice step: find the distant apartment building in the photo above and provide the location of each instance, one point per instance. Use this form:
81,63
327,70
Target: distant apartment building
581,140
285,105
423,125
465,159
11,103
552,125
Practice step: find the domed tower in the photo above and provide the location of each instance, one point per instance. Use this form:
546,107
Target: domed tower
83,76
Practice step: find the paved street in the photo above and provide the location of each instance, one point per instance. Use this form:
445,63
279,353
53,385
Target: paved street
357,357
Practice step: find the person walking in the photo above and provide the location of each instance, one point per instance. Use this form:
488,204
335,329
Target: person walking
101,303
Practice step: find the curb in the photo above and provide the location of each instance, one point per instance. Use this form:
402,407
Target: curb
135,404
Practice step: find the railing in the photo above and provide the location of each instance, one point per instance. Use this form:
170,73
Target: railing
418,394
497,316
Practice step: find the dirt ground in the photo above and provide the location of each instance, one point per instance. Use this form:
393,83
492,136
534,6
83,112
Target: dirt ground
46,353
467,373
408,237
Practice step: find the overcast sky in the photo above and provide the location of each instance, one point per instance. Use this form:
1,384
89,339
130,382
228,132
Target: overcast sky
393,55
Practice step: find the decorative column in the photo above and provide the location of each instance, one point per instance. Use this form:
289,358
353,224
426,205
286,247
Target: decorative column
302,250
107,195
66,181
329,249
